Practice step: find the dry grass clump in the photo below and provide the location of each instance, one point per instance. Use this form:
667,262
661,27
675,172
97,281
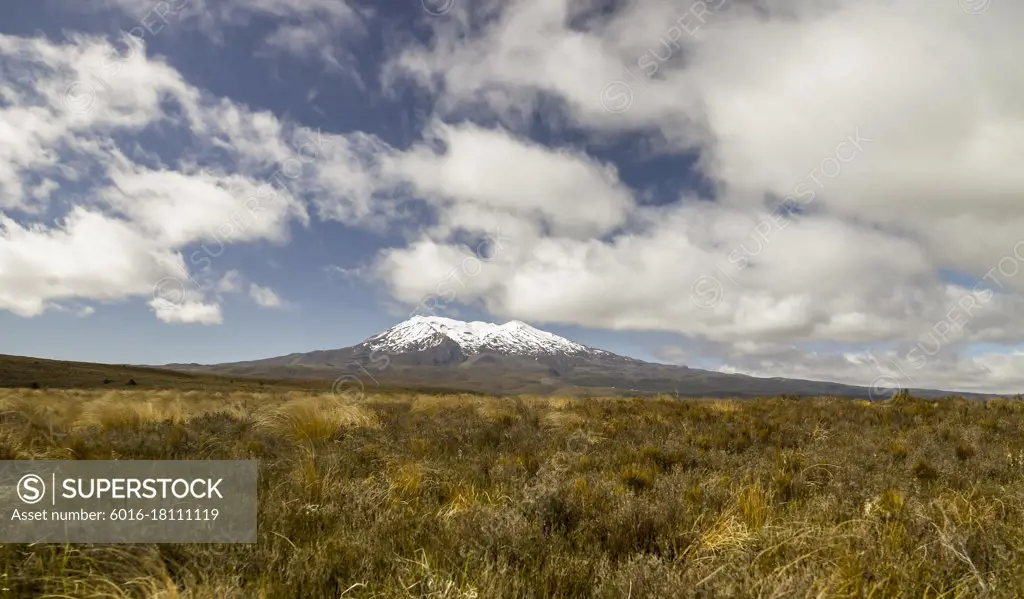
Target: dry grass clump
563,420
494,409
406,481
421,495
117,409
723,405
433,404
315,419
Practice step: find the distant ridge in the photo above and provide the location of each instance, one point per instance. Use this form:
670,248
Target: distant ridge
41,373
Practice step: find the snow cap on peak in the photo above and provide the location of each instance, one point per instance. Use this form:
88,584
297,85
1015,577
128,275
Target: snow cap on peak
514,337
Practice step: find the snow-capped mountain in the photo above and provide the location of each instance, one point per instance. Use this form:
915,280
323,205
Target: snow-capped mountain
514,338
430,352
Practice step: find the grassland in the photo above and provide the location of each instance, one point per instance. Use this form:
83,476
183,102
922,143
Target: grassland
445,496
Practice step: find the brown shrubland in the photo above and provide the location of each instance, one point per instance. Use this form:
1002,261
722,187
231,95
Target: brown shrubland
447,496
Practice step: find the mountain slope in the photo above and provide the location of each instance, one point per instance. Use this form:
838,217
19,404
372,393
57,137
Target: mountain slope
427,351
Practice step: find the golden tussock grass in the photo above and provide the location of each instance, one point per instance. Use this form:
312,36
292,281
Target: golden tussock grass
315,419
419,495
424,403
563,420
406,481
722,405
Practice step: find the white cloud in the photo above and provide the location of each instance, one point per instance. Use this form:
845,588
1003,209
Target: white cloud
182,207
127,238
96,257
887,371
231,282
493,172
187,312
767,92
56,103
345,182
351,274
265,297
935,87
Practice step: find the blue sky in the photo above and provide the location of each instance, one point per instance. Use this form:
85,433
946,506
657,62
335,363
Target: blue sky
326,311
631,155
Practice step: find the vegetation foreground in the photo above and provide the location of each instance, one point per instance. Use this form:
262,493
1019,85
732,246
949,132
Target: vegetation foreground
463,496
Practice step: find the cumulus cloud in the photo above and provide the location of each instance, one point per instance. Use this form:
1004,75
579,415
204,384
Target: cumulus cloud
138,216
486,172
860,152
934,87
188,312
96,257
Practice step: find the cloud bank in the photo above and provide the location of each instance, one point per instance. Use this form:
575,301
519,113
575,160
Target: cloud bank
864,193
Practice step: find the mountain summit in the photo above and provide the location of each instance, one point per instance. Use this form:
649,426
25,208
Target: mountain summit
514,338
